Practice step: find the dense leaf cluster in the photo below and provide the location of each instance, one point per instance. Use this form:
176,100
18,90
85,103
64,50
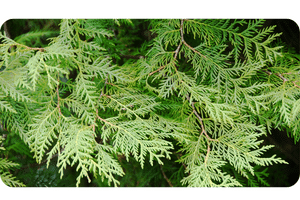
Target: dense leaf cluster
198,92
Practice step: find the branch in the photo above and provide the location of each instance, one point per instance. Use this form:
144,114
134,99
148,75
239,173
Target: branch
186,44
169,182
177,50
104,120
175,57
200,119
58,98
157,70
102,91
207,154
203,130
282,77
29,48
132,56
182,163
35,48
295,84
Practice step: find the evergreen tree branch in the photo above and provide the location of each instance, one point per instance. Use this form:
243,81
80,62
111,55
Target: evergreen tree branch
183,164
34,48
132,56
200,120
177,49
157,70
203,130
284,79
294,82
58,98
165,177
102,91
9,42
196,92
184,42
175,57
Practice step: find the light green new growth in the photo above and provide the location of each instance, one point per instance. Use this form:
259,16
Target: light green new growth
213,86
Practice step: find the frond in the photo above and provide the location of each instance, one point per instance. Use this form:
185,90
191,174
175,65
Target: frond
27,38
11,181
106,165
78,146
86,91
7,164
133,138
209,175
43,131
9,88
4,105
208,88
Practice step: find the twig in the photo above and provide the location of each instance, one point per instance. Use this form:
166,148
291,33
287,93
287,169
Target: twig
207,154
200,119
58,98
282,77
29,48
295,84
203,130
186,44
36,48
268,72
132,56
182,163
177,50
104,119
102,91
175,57
169,182
105,95
157,70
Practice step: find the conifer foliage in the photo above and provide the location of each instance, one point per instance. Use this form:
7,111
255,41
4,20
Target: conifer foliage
5,166
206,90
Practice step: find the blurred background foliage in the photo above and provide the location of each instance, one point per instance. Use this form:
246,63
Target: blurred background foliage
128,43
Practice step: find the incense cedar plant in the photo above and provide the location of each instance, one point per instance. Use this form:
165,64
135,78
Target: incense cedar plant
197,93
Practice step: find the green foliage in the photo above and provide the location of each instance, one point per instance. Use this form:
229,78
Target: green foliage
203,90
5,166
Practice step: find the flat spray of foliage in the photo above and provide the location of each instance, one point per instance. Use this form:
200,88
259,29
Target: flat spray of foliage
211,87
